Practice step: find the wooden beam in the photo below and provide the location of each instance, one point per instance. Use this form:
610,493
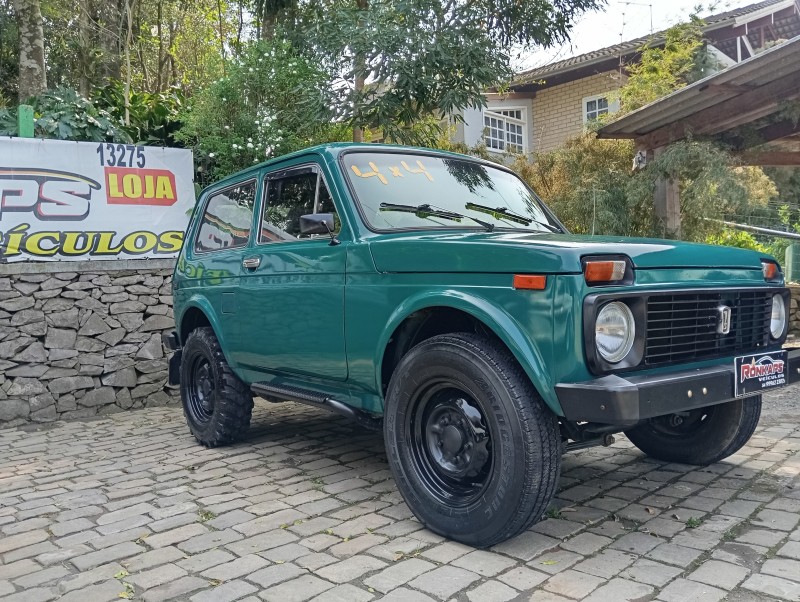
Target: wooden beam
772,158
730,113
667,203
727,88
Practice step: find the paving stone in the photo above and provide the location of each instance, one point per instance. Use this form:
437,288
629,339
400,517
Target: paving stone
102,592
444,581
156,576
350,569
447,552
83,579
206,560
522,578
204,542
555,561
297,590
620,590
572,584
276,573
398,574
492,591
674,554
174,589
483,563
344,593
773,586
526,546
682,590
586,543
117,552
42,577
636,543
22,540
782,567
175,536
791,550
650,572
776,520
152,558
606,564
226,592
236,568
17,569
406,595
720,574
761,537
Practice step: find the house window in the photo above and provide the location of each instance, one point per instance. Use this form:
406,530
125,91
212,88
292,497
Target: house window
504,130
594,106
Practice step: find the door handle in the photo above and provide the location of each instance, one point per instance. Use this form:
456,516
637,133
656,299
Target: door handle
251,263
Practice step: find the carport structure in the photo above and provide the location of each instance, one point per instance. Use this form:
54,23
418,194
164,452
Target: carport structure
752,107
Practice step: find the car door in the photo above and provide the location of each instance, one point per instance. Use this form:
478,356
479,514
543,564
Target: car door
221,239
291,294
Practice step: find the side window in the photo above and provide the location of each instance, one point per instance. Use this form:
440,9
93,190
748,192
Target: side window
226,219
290,197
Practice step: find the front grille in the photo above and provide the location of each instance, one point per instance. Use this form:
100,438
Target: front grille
682,327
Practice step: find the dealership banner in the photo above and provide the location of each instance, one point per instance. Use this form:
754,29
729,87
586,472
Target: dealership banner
64,200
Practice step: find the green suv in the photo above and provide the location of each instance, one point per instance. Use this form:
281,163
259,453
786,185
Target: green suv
433,295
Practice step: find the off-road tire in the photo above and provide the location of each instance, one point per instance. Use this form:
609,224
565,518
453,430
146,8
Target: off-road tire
230,400
525,444
723,432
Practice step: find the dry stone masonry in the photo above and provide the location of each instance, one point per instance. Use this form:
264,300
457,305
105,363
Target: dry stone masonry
83,338
794,311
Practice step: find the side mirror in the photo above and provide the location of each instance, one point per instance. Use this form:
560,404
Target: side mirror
318,223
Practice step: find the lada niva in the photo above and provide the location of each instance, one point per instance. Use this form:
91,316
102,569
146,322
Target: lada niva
435,296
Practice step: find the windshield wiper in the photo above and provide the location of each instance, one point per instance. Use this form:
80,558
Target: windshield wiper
504,213
425,210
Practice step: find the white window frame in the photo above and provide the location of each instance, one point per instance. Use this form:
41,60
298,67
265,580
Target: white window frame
613,105
506,120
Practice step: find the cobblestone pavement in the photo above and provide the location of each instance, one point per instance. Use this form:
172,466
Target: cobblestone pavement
305,508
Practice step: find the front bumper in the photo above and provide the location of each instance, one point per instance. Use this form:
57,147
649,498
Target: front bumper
626,400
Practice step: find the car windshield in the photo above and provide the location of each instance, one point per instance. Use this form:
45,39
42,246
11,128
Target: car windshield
416,191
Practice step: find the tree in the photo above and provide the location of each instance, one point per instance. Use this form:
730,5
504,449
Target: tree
394,62
32,71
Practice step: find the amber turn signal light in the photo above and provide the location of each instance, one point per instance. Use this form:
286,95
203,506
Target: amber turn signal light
771,271
604,271
533,282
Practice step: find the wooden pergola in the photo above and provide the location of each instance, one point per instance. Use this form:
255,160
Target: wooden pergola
752,107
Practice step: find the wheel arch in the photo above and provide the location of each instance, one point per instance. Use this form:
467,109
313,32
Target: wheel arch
198,312
429,315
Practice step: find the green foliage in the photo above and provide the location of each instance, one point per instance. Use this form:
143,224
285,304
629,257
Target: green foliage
425,57
586,184
154,118
736,238
64,114
271,102
663,70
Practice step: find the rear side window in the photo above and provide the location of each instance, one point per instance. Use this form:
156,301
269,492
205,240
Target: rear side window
227,218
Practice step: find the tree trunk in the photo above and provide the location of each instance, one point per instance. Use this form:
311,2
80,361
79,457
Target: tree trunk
32,73
360,78
84,49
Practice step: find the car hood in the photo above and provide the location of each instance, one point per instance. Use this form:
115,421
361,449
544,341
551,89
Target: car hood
512,252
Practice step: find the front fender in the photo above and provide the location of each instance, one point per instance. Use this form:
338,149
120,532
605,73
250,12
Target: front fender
503,325
197,301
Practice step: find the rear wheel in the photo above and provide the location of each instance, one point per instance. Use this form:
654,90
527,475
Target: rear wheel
700,436
475,452
217,405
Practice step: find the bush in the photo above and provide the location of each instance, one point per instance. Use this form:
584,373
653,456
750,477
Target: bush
63,114
271,102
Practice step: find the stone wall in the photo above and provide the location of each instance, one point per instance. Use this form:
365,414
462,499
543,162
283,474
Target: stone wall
794,312
83,338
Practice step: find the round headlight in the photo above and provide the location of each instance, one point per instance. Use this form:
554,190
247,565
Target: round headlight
777,321
614,331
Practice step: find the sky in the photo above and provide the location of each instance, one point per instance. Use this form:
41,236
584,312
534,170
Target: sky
631,19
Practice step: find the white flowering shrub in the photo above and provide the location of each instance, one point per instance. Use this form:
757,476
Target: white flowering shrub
271,102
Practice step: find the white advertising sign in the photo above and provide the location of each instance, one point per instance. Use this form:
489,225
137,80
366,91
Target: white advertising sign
64,200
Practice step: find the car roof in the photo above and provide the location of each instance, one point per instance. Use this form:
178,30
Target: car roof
333,149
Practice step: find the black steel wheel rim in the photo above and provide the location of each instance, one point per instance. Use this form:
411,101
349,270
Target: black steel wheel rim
451,444
201,390
684,424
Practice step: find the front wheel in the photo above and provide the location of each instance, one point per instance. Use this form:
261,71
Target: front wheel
701,436
475,452
217,405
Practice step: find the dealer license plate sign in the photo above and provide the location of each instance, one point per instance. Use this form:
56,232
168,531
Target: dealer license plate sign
760,372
